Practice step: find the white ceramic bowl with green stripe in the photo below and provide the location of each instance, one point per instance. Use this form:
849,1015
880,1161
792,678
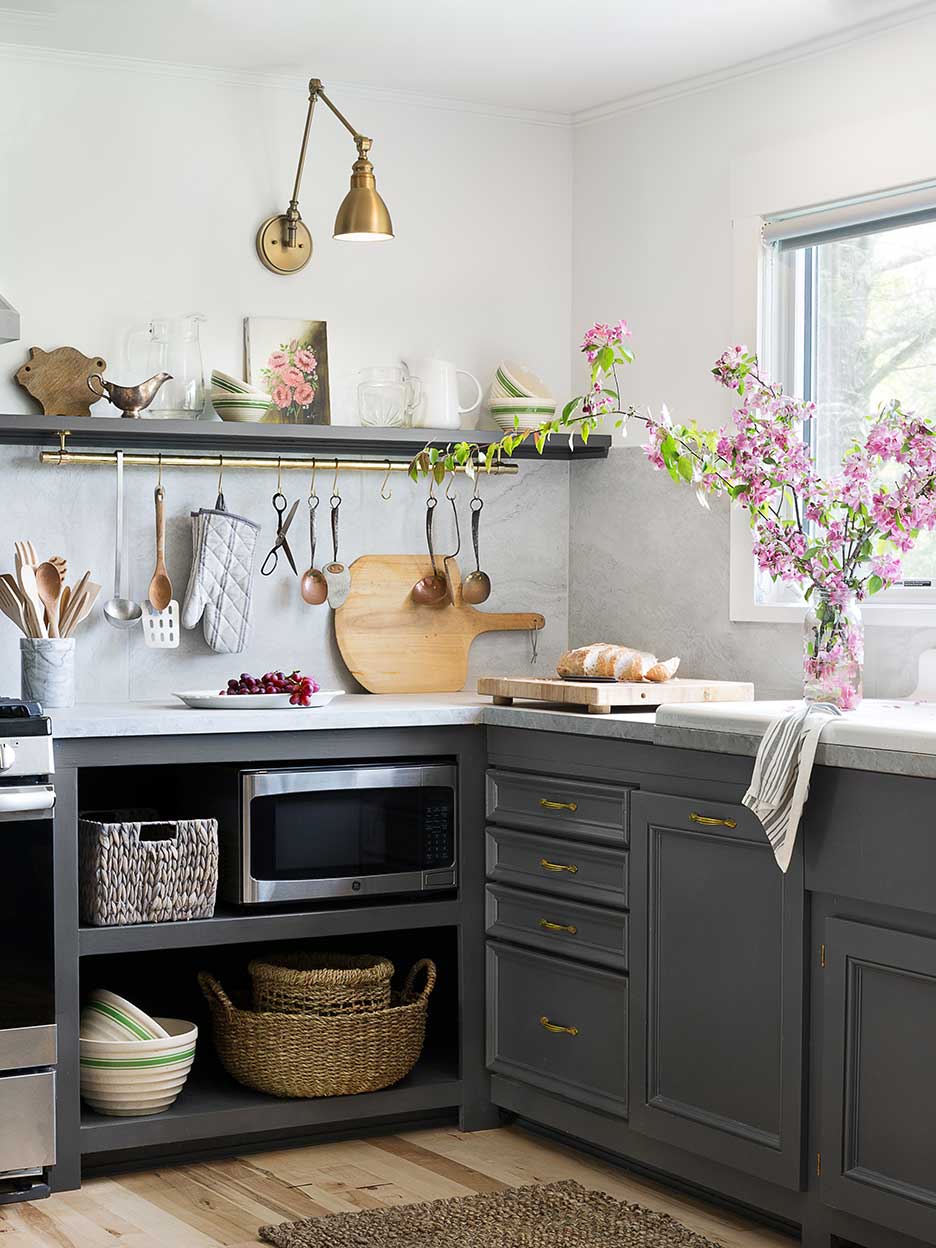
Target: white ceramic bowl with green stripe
516,381
241,407
129,1077
109,1017
231,385
521,413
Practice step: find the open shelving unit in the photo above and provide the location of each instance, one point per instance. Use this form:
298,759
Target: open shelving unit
222,438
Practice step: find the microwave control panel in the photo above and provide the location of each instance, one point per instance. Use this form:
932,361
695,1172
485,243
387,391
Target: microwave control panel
438,842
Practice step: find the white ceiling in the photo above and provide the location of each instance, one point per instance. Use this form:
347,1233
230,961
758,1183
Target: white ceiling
561,56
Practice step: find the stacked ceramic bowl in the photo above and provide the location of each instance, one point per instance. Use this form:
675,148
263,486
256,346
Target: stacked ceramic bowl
131,1063
235,400
518,399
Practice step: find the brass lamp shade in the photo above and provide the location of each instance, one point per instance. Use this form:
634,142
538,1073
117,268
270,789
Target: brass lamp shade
363,215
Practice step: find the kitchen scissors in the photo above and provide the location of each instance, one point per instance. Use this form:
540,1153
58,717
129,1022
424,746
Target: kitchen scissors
280,503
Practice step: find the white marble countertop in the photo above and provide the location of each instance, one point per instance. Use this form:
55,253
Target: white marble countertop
880,736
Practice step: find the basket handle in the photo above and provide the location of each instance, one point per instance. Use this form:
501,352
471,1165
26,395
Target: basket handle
409,988
211,988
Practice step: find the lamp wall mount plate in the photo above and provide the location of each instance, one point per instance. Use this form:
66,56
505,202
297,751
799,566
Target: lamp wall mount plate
273,246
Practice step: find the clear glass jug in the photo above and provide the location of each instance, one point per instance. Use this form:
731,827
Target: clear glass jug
387,395
171,344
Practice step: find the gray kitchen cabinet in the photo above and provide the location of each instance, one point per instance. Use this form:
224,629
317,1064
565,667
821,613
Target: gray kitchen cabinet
557,926
592,873
716,978
878,1111
558,1025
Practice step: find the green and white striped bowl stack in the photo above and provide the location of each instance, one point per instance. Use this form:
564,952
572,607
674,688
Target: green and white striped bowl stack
129,1077
109,1017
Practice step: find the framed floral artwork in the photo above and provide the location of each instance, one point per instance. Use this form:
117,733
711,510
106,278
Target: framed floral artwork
288,359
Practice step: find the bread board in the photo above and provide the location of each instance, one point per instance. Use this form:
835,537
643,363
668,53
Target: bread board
392,644
601,697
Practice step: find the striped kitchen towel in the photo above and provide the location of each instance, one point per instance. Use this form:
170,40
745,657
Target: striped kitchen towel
780,783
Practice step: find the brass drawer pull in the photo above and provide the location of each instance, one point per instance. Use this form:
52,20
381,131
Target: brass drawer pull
558,927
548,805
556,1029
559,866
709,822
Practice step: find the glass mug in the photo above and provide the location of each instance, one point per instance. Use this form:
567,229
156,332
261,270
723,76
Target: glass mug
387,395
170,344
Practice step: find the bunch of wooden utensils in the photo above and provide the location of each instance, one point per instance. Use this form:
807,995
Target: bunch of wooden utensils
37,599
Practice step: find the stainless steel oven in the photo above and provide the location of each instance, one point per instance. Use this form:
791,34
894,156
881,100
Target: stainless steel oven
27,971
312,833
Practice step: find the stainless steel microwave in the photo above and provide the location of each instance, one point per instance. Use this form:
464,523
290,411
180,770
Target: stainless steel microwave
324,832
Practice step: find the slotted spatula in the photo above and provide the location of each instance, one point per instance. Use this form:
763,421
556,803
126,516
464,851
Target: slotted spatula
160,611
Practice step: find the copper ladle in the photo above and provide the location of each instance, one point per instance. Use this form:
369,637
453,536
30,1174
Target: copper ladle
477,586
431,591
313,587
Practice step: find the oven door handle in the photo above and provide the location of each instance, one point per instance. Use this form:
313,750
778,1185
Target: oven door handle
33,800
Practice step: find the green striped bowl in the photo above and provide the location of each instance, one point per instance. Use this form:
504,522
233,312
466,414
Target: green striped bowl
180,1035
109,1017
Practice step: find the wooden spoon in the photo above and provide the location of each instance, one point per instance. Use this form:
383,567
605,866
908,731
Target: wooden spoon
70,609
83,609
49,586
12,607
26,578
160,587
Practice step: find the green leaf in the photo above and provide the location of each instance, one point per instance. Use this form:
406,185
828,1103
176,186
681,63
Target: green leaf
875,584
605,359
571,406
685,467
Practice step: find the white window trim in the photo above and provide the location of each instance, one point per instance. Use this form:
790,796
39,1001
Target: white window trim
750,297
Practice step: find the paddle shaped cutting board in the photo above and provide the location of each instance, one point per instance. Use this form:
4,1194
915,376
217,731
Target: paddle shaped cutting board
392,644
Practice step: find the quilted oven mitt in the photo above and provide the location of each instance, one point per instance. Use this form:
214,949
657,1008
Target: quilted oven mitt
220,583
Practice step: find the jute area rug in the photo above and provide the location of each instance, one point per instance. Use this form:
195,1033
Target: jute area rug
557,1215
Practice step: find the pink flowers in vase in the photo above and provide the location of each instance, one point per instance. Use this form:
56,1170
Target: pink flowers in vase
291,377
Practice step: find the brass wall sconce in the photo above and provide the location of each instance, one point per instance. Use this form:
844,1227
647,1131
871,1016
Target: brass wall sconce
284,243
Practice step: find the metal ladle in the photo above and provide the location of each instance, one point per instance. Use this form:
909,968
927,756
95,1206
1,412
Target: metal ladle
121,612
477,586
313,587
432,590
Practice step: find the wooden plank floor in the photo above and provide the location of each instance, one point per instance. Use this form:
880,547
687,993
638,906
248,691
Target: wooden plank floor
223,1202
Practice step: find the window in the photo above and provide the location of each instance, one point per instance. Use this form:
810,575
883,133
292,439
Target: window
849,321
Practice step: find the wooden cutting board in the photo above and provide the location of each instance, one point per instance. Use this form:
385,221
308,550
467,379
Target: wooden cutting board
600,697
392,644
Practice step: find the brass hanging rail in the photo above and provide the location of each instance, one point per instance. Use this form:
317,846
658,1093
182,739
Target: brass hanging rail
63,457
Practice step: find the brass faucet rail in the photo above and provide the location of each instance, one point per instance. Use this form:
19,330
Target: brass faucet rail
231,463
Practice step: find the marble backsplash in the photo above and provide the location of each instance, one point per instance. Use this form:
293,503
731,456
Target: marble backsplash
649,568
71,512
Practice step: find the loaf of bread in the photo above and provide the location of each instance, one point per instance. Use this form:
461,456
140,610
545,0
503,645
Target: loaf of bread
619,662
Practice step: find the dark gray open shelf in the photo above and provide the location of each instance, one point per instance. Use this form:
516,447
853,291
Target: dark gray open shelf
221,438
213,1106
231,926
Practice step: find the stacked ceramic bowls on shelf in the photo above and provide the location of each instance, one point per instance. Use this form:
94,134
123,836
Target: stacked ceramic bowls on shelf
236,400
518,399
131,1063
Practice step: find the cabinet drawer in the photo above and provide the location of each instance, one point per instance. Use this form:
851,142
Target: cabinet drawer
573,808
563,868
558,1026
558,926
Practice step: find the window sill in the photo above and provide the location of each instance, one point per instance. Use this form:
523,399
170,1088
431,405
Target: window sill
896,614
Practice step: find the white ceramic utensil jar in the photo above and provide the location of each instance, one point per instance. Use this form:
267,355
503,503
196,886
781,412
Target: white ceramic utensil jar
438,407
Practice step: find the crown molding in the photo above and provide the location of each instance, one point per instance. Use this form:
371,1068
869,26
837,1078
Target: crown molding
23,53
758,65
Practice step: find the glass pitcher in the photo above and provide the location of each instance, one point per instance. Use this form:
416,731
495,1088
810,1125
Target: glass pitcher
387,395
171,344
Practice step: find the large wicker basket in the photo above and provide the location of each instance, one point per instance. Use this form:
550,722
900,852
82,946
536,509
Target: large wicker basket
305,1055
321,983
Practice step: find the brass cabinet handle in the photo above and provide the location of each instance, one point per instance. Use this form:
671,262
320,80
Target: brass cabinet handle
558,927
556,1029
710,822
559,866
548,805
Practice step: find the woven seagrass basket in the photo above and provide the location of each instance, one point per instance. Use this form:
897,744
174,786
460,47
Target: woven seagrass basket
321,983
136,868
306,1055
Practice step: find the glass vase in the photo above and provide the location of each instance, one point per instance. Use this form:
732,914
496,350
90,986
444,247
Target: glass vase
833,652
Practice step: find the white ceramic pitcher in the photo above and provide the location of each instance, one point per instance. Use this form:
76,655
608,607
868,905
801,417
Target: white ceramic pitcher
438,406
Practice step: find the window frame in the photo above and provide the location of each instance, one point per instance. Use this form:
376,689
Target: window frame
772,305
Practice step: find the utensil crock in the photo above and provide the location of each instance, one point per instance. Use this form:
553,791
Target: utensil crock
47,666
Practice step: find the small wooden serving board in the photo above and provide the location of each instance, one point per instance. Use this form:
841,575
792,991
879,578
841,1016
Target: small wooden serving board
600,698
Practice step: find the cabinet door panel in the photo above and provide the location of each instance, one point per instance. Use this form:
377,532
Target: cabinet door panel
879,1076
717,980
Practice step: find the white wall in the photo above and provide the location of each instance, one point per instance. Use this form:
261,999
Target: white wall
657,190
129,192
